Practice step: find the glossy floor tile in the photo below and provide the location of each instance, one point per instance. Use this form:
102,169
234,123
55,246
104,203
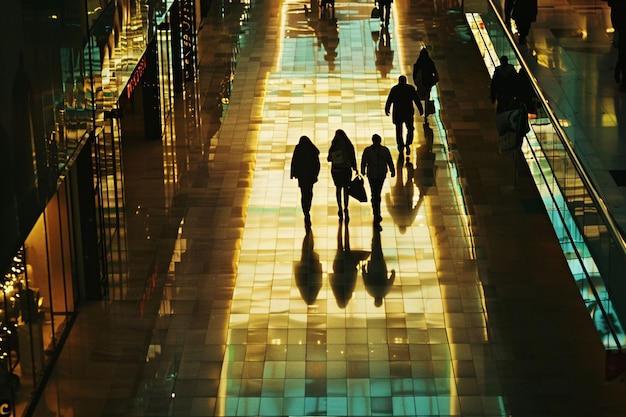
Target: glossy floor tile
463,305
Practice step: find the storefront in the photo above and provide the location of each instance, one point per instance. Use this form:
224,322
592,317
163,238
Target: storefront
38,301
63,217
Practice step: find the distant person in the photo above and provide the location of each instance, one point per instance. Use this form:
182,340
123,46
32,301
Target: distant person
620,70
328,3
305,166
402,96
524,13
508,9
342,157
375,161
425,76
384,7
503,84
618,20
525,92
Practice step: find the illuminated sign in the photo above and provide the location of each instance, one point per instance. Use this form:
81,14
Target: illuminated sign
188,33
135,78
5,408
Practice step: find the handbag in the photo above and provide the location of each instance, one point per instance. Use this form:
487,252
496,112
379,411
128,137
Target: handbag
356,189
375,13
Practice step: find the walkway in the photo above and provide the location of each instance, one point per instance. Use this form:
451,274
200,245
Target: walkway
481,317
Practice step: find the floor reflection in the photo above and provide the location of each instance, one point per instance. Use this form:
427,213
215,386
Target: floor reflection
377,280
384,52
345,267
426,169
308,270
401,202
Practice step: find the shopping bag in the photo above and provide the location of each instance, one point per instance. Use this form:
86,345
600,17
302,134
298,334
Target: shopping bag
356,189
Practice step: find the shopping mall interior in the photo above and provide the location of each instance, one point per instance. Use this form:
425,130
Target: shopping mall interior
466,303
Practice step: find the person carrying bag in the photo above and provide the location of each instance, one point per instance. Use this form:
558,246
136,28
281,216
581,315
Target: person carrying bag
425,76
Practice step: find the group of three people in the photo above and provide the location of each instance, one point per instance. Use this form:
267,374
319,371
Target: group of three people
376,162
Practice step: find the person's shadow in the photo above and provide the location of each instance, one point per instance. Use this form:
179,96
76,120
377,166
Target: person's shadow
345,267
308,270
377,281
401,202
384,53
425,171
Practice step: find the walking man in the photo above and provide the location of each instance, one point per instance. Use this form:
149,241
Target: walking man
375,161
503,82
384,7
402,96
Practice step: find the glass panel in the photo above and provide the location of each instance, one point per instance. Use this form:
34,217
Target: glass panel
591,243
54,305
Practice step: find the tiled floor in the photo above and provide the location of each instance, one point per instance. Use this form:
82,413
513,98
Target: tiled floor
247,314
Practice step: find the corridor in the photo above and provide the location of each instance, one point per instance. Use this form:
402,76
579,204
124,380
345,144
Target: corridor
463,305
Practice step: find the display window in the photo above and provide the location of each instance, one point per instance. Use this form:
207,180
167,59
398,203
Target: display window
37,301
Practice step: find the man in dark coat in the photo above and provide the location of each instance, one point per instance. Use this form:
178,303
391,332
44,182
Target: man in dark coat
618,20
402,96
375,163
524,13
503,85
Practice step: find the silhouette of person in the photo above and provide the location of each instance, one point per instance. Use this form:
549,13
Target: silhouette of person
502,87
343,160
524,13
400,202
524,91
375,161
425,76
508,9
402,96
385,11
308,271
384,53
326,4
618,20
305,166
377,283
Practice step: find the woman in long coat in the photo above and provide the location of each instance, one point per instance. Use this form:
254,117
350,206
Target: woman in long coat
343,160
305,166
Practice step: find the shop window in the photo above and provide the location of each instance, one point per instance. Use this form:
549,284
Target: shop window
36,303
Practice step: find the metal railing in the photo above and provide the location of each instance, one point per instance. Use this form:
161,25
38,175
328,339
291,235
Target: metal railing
591,240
